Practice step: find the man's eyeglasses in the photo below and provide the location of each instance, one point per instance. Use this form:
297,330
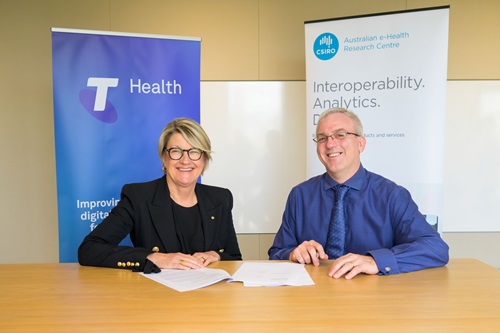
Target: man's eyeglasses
339,136
175,154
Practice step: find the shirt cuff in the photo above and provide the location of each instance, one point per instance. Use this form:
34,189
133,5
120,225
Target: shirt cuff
385,260
150,267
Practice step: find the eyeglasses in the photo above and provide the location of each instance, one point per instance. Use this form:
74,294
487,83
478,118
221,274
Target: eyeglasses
339,136
194,154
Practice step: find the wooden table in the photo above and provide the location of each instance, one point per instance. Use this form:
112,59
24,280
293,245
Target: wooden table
464,296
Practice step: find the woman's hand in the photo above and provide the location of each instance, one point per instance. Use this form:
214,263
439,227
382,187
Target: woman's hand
206,257
177,260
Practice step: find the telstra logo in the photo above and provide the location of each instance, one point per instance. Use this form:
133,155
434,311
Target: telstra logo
326,46
96,101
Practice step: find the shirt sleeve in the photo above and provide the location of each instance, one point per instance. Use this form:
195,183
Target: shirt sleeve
416,244
285,240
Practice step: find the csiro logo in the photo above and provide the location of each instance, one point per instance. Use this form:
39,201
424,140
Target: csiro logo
326,46
96,101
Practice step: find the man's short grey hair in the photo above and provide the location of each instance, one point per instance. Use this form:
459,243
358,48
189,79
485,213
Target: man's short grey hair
357,123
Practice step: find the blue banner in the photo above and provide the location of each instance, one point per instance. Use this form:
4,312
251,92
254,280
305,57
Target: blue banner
113,95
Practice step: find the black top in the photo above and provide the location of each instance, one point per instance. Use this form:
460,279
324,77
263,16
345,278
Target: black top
189,228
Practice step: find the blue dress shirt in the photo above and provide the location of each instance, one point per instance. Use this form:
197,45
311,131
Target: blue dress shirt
382,221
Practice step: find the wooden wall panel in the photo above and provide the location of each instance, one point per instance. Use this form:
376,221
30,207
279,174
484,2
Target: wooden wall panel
228,29
474,38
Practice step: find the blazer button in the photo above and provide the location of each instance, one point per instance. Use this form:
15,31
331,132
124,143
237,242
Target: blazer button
155,249
221,250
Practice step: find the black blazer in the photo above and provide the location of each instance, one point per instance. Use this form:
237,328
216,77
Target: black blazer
145,212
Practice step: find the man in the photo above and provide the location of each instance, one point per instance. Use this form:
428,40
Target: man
384,231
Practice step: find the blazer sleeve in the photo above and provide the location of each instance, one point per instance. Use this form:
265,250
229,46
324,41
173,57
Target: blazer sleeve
101,247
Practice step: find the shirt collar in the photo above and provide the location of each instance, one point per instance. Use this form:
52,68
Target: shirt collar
355,182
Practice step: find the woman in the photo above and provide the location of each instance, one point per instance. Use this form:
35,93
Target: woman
173,221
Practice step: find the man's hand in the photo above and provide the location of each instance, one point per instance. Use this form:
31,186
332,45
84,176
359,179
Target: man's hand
309,252
351,265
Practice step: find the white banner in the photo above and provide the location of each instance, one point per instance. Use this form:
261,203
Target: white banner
391,70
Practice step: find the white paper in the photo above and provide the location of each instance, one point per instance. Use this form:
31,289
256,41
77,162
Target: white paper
254,274
185,280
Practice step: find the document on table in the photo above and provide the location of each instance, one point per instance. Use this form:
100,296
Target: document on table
252,274
270,274
181,280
